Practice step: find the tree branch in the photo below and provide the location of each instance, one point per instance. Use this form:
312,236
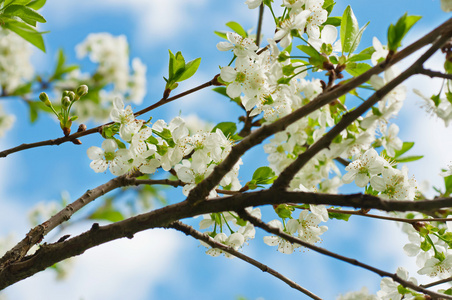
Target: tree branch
50,254
410,221
188,230
258,223
433,74
436,282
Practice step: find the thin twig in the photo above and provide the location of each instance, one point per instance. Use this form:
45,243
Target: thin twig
436,282
259,24
410,221
73,137
188,230
433,74
258,223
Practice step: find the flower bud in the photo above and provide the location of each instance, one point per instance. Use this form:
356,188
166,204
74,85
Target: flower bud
45,99
65,93
82,90
65,101
71,95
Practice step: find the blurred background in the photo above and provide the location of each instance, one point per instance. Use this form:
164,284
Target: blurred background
165,264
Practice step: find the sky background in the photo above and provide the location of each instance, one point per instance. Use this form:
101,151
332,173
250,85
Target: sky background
164,264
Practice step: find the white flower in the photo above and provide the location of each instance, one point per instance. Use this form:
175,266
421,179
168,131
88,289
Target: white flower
235,241
317,17
137,82
389,288
253,3
328,37
112,55
447,172
128,125
363,168
283,245
107,156
308,227
394,184
363,294
6,121
391,141
294,22
241,46
15,66
380,51
434,267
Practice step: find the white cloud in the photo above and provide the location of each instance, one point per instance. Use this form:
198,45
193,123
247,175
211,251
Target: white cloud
123,269
156,20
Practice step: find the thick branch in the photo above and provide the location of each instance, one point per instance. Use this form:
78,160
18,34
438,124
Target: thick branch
200,192
53,253
287,175
188,230
256,222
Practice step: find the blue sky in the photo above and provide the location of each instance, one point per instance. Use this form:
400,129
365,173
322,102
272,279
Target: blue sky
163,264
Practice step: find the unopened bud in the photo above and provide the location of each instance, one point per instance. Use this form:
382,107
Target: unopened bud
66,101
65,93
71,95
45,99
76,142
82,90
81,127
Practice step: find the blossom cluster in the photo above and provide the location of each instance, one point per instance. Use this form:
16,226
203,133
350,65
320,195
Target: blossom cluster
113,76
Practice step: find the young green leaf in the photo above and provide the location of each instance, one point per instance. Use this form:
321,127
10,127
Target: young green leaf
27,32
405,147
221,34
190,69
228,128
349,30
358,38
24,12
237,28
36,4
356,69
335,21
397,32
365,54
406,159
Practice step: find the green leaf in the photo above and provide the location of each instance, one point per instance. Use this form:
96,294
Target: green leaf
408,158
363,55
237,28
107,212
221,34
349,30
27,32
263,174
356,69
190,69
24,12
228,128
328,6
36,4
339,216
18,2
335,21
284,211
448,185
358,38
22,90
405,147
397,32
34,107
